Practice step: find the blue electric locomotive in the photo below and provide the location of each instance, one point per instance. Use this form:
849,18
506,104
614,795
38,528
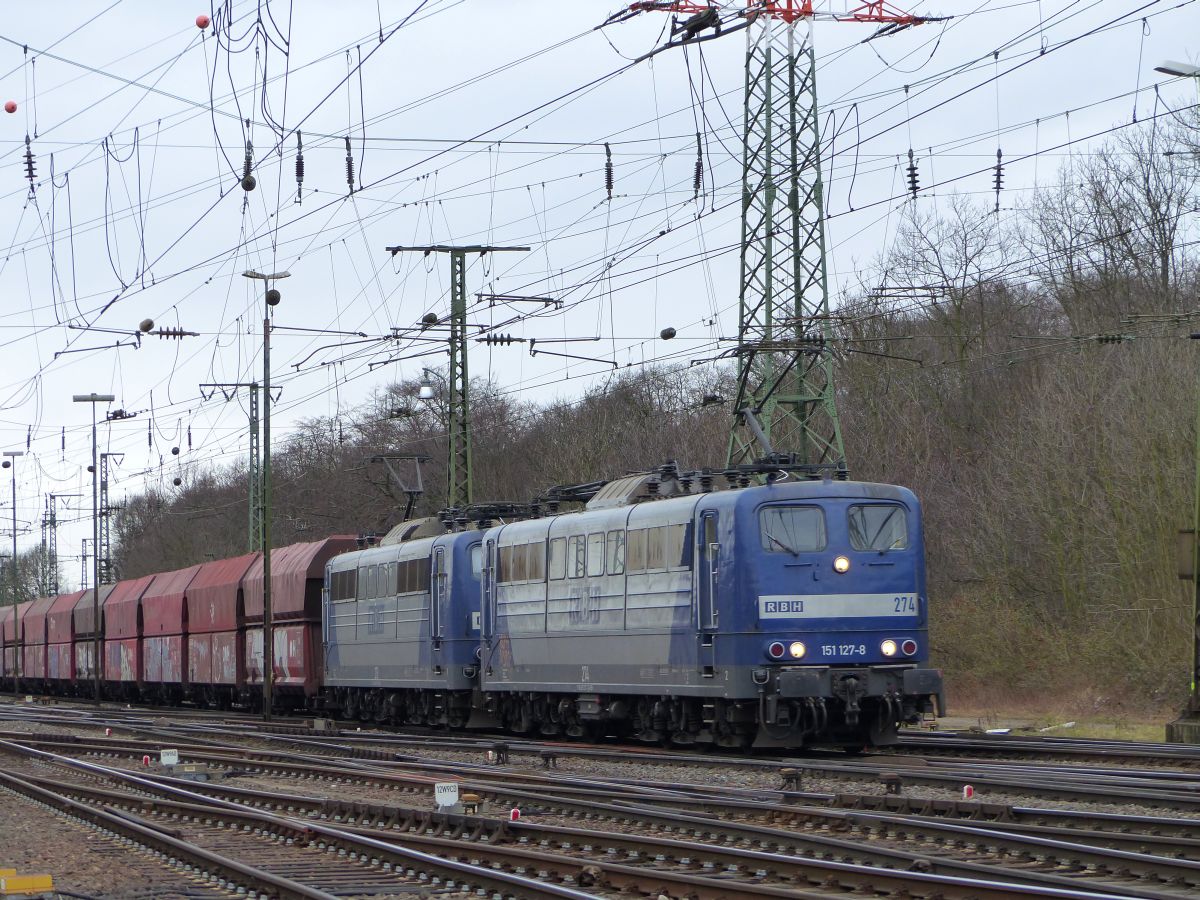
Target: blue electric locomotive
779,615
401,631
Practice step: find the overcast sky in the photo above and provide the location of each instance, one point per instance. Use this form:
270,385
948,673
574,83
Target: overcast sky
477,121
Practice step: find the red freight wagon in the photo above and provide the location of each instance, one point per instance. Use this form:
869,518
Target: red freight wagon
5,657
123,662
33,624
164,632
215,655
86,629
60,638
12,638
297,576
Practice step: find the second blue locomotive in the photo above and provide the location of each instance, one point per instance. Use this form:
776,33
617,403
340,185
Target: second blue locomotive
786,614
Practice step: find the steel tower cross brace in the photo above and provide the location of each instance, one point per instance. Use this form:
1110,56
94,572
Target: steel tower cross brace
459,483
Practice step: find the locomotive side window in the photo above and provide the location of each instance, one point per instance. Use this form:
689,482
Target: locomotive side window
636,551
655,551
558,558
477,560
412,576
792,529
372,582
576,556
344,584
676,547
520,563
361,584
595,554
616,552
878,527
537,561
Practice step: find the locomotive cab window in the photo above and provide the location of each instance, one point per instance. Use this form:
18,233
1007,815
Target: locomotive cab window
878,526
792,529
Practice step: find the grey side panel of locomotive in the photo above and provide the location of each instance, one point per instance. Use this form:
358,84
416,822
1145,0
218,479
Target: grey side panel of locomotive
381,637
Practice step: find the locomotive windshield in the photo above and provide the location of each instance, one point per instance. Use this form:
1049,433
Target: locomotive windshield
878,527
792,529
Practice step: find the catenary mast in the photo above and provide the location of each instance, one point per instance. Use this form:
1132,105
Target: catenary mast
785,409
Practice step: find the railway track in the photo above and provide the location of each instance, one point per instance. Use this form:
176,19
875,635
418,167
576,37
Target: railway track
565,862
1128,865
699,830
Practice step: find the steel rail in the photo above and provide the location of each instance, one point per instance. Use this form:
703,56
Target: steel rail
415,829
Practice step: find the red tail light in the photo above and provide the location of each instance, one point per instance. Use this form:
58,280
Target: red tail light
775,650
909,647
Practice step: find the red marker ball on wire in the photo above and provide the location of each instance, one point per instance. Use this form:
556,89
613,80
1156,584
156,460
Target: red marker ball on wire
10,106
202,21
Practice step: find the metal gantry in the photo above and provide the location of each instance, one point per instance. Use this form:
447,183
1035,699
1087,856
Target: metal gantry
459,482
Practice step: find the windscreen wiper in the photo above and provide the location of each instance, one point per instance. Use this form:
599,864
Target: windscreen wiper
771,537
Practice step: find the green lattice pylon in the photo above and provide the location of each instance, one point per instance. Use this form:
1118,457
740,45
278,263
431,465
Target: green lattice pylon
785,377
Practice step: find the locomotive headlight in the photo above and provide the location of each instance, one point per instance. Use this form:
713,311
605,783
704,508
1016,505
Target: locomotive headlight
841,565
888,647
796,648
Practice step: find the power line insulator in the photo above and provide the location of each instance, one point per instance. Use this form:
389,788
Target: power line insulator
349,165
698,176
608,170
914,178
998,176
30,164
299,167
248,181
499,340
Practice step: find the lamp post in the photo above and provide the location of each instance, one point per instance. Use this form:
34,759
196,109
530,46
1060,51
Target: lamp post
93,399
1186,729
272,298
9,463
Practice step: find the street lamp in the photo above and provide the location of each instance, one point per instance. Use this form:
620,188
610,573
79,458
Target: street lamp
1178,69
272,298
425,387
9,464
93,399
